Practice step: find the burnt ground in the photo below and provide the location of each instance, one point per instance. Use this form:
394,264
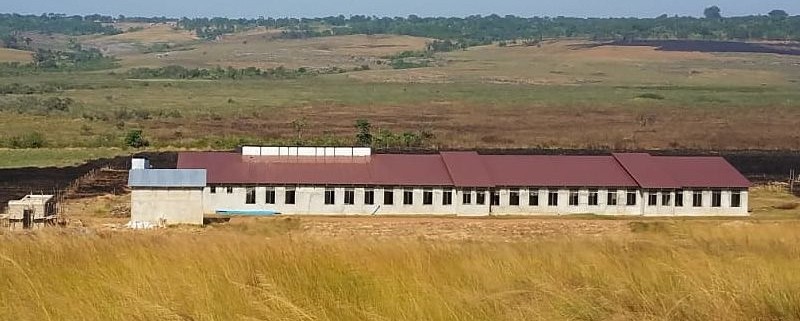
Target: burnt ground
713,46
18,182
759,166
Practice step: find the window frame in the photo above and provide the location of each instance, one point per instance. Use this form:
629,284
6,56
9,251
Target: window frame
287,199
250,195
270,196
466,197
212,189
330,196
716,198
736,195
652,198
552,198
513,197
480,198
427,197
408,197
533,197
612,197
666,199
349,196
574,197
594,197
369,196
494,198
447,197
679,198
390,199
229,190
697,198
631,197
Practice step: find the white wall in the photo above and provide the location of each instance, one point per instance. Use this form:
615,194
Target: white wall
311,200
172,205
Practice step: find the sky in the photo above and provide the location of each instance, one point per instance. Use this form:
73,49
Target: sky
449,8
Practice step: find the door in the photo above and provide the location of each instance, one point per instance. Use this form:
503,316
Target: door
27,219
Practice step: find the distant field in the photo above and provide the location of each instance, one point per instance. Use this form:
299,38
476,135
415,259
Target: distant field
259,48
46,157
490,97
13,55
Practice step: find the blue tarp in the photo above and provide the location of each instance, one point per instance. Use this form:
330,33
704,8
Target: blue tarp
248,212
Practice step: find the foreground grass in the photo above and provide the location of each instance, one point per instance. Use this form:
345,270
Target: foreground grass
53,157
677,271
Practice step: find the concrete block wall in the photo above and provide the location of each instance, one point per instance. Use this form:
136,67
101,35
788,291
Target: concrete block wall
167,205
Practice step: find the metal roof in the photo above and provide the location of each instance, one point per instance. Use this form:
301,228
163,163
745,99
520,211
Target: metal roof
556,171
167,178
468,169
646,170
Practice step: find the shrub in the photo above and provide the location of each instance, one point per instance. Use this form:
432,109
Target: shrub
651,96
134,138
29,140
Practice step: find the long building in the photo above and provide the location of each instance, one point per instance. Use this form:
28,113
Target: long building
353,181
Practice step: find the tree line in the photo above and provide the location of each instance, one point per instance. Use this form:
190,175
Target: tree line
477,29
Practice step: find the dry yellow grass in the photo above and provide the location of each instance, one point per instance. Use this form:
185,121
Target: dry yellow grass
672,271
261,49
14,55
572,63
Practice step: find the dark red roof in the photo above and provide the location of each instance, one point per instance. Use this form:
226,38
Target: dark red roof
646,170
702,172
468,169
570,171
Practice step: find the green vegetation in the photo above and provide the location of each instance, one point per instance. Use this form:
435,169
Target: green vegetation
56,157
477,30
661,271
178,72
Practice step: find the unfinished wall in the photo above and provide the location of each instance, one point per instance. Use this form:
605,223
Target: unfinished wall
167,206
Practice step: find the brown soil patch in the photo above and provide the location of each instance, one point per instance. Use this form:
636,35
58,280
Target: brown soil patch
13,55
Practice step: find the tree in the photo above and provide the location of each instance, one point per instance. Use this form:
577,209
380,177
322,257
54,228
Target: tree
778,14
713,12
364,137
135,139
299,125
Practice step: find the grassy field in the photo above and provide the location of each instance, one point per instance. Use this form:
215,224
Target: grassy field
658,271
13,55
59,157
490,96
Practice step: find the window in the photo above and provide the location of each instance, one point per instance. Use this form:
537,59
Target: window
388,197
270,195
736,199
716,199
427,197
447,198
495,198
697,198
466,197
349,197
593,197
250,197
480,197
408,197
630,198
679,198
289,196
229,190
666,199
552,198
369,197
513,198
213,189
330,196
533,198
611,197
652,198
573,197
